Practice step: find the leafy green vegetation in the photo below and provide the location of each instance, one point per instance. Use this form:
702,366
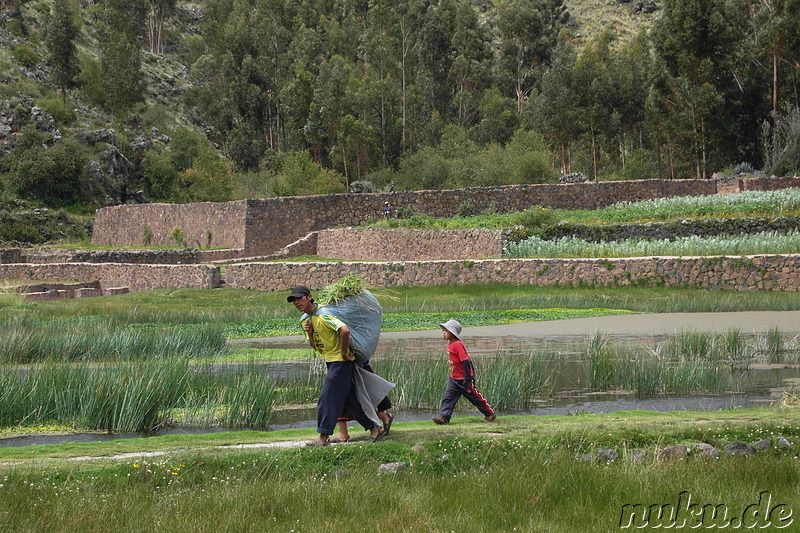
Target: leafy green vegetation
744,204
694,246
300,489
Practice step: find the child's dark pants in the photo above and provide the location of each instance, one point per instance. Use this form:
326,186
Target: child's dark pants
456,388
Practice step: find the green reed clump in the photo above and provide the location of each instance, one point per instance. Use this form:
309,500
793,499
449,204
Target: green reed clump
420,381
248,398
302,389
113,397
28,339
510,381
136,397
773,346
686,364
607,368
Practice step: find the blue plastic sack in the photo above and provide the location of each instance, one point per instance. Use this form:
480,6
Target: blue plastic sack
363,314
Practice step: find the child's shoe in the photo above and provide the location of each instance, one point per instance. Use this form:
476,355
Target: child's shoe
441,420
490,418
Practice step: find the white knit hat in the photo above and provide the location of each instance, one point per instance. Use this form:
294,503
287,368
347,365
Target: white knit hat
453,327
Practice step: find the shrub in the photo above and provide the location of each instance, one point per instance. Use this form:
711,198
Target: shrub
25,55
91,81
177,235
535,217
55,107
160,175
147,235
51,175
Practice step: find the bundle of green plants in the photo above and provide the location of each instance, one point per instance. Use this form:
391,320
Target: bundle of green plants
350,284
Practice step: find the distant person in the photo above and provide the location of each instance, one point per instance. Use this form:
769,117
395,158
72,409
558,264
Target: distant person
330,338
462,377
388,210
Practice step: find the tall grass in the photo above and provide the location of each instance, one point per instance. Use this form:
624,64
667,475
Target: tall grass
748,203
688,363
27,339
571,247
135,397
508,381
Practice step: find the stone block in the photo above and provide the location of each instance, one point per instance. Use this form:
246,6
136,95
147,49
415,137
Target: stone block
117,290
88,292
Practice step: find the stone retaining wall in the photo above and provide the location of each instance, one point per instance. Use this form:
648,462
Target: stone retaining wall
264,226
762,272
401,244
10,255
136,277
186,256
203,224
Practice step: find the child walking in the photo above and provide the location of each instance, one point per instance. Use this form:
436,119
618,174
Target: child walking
462,377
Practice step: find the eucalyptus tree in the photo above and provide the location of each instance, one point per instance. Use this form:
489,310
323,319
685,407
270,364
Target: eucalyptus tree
379,54
775,46
436,59
777,36
692,42
630,68
471,65
121,25
593,90
553,113
63,28
528,30
158,11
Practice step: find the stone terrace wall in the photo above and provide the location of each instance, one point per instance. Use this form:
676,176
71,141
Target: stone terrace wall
763,272
136,277
125,224
186,256
400,244
273,223
264,226
768,184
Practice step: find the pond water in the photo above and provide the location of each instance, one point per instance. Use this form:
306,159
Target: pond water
566,368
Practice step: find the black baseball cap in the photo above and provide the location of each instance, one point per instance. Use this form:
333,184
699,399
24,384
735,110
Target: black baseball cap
298,292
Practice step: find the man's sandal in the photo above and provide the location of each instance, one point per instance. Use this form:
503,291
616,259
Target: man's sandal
381,433
317,442
388,425
337,440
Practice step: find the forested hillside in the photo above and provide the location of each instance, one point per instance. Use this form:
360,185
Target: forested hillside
114,101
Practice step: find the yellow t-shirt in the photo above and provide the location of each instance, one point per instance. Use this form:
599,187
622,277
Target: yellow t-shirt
326,337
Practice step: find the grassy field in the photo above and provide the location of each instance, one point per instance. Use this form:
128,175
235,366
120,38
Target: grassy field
517,474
